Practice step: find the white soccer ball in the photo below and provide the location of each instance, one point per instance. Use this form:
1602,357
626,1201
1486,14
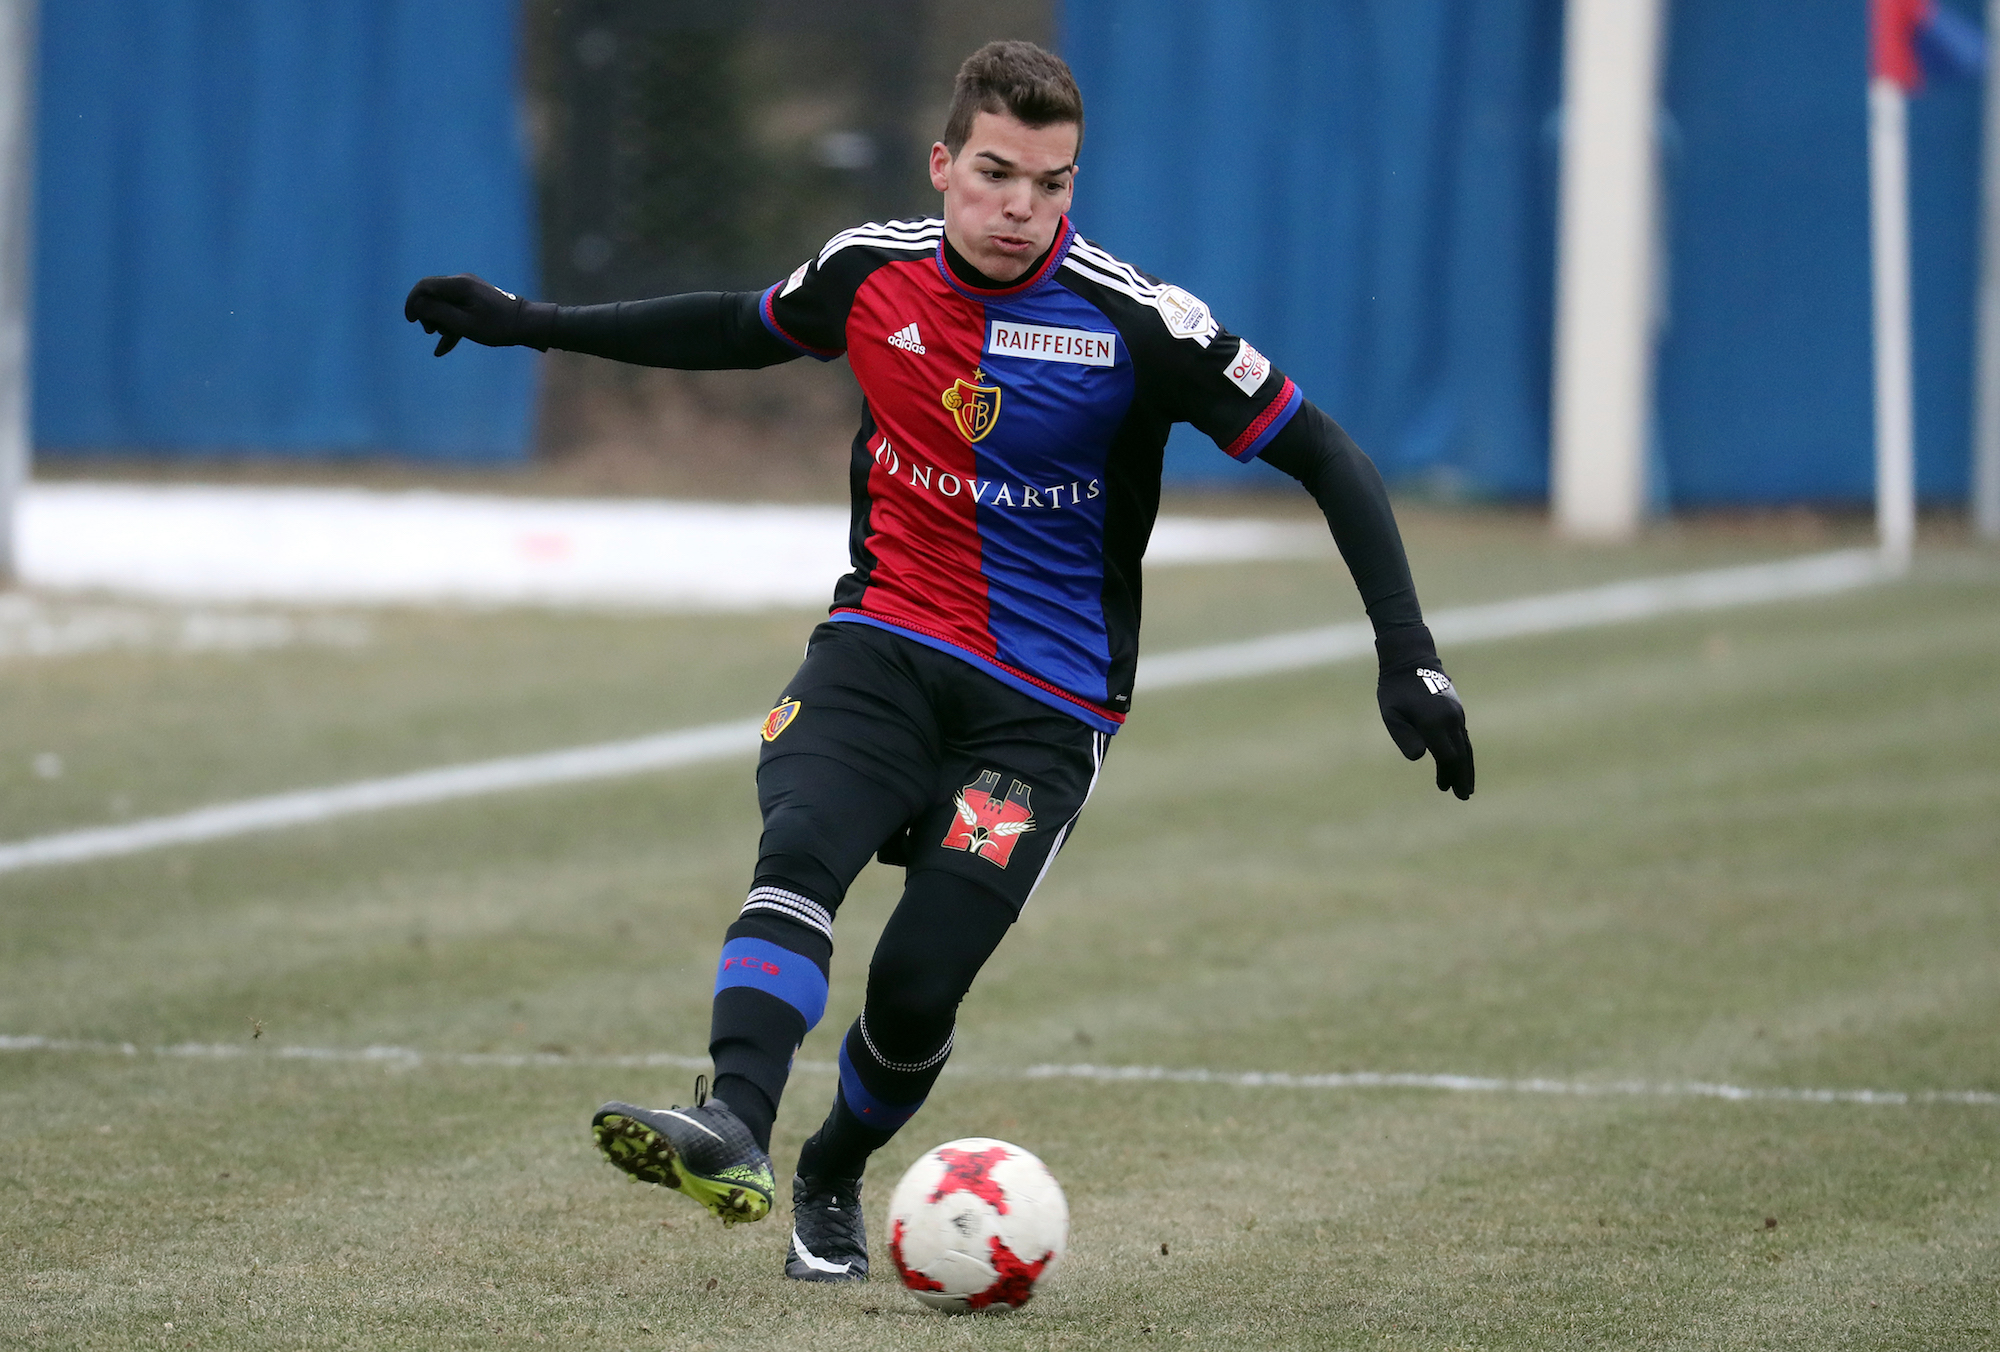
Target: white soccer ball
977,1224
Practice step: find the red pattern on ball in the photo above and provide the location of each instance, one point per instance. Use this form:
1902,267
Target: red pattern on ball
912,1278
972,1171
1016,1281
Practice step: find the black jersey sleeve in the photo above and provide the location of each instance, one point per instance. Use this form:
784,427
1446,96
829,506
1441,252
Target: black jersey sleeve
1228,390
1191,369
1316,450
808,310
806,314
699,331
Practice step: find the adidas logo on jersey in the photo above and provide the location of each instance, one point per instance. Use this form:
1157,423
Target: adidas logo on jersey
908,339
1434,681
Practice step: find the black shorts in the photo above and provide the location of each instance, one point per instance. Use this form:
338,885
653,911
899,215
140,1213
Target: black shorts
881,745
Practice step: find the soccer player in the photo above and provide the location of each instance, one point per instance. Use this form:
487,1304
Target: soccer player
953,713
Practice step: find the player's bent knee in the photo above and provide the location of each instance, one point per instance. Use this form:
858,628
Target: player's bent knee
796,846
905,989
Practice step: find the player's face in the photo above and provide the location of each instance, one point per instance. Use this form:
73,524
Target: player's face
1006,191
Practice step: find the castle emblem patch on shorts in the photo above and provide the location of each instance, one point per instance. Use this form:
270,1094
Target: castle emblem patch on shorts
988,824
779,719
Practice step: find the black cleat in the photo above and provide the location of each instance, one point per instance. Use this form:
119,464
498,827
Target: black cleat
829,1238
704,1151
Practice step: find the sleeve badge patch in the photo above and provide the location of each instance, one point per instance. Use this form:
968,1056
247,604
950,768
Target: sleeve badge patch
987,824
779,719
1186,315
1250,369
796,280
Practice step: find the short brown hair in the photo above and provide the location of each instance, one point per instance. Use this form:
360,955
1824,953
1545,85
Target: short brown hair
1013,77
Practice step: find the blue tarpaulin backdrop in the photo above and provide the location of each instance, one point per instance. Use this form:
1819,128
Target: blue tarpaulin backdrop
1364,189
234,194
233,197
1766,375
1367,189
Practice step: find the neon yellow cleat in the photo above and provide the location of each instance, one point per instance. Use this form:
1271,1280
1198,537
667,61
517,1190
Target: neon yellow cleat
704,1151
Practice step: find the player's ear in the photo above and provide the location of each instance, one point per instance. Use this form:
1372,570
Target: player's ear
940,166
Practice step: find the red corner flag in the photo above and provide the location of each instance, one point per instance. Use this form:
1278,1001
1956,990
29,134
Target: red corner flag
1908,36
1892,33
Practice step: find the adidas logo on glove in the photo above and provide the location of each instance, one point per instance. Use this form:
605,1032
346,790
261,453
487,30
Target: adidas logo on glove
1434,681
908,339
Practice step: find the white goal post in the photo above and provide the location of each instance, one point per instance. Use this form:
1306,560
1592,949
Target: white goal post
1607,267
1986,401
17,83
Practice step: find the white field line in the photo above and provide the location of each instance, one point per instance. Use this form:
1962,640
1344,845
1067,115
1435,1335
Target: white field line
690,746
1619,602
407,1058
1816,575
1481,1084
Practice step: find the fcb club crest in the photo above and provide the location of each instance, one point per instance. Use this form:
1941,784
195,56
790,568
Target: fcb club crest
974,407
779,719
987,824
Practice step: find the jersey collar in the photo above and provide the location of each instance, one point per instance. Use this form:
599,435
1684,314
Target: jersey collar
1065,236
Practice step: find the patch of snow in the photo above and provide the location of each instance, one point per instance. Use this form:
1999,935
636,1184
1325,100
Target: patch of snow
323,547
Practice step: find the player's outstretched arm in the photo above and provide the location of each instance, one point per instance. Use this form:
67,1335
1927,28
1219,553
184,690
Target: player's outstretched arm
1419,706
699,331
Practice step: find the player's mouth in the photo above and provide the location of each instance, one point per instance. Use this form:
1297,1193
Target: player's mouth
1011,243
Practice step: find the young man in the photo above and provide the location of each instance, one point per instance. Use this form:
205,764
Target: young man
953,713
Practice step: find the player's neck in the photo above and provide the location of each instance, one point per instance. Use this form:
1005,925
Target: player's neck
978,280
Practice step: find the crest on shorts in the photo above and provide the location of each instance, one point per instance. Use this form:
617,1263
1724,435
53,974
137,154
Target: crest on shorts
974,407
987,824
779,719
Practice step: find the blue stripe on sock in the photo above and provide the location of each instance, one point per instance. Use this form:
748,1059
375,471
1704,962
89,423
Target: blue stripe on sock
764,966
864,1105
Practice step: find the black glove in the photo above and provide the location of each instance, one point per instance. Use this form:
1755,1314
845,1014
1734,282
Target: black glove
467,307
1420,708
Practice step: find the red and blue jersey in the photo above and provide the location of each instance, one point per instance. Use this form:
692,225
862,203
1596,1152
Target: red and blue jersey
1007,471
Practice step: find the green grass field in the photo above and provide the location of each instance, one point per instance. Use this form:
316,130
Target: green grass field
1759,847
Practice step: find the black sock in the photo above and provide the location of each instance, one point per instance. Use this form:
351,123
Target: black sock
842,1145
750,1103
770,990
752,1037
888,1094
935,942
